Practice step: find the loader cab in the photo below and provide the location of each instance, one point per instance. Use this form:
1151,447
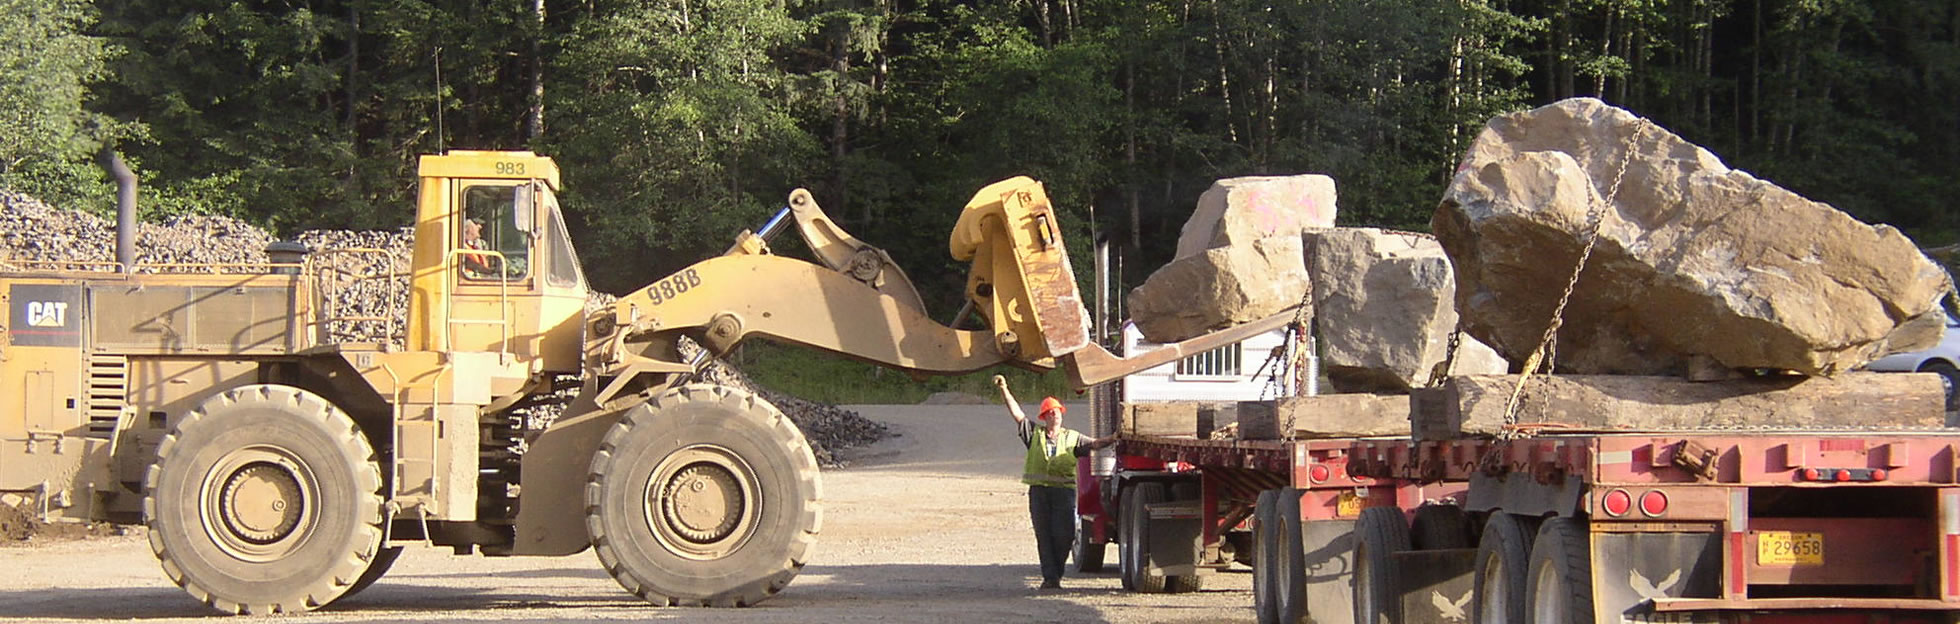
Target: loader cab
495,270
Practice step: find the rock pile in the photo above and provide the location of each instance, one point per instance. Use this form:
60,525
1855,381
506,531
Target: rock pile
1695,261
828,428
1384,302
31,231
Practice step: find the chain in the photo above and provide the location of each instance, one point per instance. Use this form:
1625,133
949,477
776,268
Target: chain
1547,350
1442,369
1285,360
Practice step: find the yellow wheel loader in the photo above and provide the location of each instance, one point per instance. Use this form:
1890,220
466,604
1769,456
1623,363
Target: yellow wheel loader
280,465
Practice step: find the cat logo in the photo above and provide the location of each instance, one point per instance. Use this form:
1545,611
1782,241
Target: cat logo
44,315
47,314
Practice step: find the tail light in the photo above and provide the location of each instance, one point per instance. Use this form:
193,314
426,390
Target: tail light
1653,503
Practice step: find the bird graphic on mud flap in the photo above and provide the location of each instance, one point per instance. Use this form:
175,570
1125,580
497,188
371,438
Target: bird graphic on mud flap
1648,589
1451,610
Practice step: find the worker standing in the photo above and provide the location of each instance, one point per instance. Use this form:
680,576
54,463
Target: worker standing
1049,473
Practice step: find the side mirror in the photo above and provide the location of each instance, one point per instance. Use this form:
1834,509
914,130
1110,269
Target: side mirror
524,208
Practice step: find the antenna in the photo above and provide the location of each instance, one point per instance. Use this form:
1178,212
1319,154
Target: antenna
440,146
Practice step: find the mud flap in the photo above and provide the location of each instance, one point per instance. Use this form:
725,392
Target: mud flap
1436,585
1329,546
1176,534
1631,569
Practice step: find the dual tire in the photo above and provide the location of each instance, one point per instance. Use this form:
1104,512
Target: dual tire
1134,535
1279,578
1533,570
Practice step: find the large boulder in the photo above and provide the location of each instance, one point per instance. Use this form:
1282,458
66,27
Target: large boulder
1236,211
1220,288
1385,306
1695,261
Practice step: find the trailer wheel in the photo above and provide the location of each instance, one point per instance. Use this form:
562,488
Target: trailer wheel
1124,541
704,496
1441,527
1289,576
264,499
1088,556
1378,535
1136,541
1265,547
1502,557
1561,574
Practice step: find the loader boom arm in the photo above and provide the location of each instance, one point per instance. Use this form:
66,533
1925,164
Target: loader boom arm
854,301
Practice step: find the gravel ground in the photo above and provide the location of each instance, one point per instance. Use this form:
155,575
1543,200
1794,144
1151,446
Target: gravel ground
928,526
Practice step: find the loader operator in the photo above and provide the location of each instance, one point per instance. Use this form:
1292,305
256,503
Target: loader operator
1050,474
477,266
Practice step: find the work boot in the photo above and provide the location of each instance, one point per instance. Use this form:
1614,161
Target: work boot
1051,584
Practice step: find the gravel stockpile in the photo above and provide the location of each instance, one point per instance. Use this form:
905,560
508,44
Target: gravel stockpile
829,428
358,280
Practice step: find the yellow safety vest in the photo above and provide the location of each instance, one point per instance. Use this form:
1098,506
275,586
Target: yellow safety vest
1051,465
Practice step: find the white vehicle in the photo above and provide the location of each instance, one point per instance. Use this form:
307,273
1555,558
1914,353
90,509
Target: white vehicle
1943,358
1229,373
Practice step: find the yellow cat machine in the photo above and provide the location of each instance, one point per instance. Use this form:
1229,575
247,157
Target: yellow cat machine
283,441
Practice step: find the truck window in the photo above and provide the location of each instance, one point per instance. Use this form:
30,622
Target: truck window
490,224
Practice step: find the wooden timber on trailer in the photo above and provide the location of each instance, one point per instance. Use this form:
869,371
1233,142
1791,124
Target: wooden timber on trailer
1475,405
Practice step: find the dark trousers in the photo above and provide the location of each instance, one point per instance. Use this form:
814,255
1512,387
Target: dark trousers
1053,512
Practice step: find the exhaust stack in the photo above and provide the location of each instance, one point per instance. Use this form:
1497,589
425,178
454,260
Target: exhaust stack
125,205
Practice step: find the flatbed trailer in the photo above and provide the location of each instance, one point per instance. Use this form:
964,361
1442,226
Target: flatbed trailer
1745,526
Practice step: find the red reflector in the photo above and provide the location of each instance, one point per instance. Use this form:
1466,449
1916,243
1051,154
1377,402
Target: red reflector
1810,474
1616,503
1653,503
1319,473
1844,475
1879,474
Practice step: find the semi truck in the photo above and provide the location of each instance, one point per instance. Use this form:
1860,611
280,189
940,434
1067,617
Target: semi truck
1846,518
283,441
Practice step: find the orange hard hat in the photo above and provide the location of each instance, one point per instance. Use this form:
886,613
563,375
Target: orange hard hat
1052,404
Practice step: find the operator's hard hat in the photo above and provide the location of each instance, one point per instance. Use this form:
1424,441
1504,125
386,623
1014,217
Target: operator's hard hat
1049,404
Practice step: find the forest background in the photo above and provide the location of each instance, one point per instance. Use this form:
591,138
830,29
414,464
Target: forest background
679,122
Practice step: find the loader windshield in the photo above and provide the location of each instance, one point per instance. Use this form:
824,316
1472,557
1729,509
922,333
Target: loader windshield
491,220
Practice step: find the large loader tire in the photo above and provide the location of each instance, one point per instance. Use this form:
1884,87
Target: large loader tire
265,499
383,561
705,496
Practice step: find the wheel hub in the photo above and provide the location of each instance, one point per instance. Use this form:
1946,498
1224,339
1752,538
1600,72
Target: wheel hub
261,503
703,502
258,503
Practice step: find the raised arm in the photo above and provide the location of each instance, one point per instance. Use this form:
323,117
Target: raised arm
1013,407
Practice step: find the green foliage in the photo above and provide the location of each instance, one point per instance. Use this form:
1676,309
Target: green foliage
46,69
819,376
679,122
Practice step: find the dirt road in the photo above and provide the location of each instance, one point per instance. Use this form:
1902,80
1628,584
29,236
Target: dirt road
928,527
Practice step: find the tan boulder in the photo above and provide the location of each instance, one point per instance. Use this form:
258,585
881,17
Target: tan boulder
1220,288
1385,306
1241,210
1693,258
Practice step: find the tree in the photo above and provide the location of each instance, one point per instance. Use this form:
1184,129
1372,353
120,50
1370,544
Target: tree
47,69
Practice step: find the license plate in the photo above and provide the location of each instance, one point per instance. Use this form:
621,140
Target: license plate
1347,505
1789,548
